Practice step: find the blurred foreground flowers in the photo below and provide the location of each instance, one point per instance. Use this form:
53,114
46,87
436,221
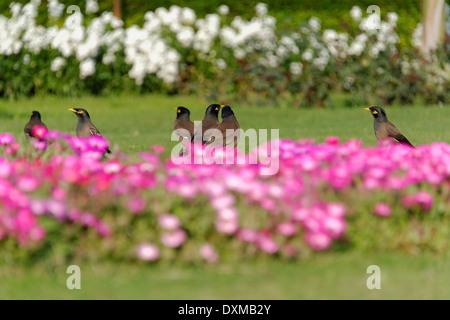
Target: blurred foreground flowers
70,202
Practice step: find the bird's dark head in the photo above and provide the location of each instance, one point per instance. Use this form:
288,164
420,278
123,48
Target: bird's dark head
377,112
81,113
227,112
213,109
35,115
183,112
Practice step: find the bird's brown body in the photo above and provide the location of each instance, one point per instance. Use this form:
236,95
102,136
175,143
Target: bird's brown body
384,129
85,127
35,120
229,129
183,124
210,121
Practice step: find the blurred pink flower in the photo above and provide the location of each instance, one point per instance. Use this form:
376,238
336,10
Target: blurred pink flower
12,149
287,229
227,227
208,253
136,205
147,252
335,209
267,244
40,145
247,235
332,140
169,221
382,209
157,149
174,239
6,139
222,202
37,233
227,214
424,199
39,132
28,183
318,240
335,227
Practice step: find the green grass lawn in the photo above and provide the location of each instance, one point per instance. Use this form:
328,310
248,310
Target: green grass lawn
136,123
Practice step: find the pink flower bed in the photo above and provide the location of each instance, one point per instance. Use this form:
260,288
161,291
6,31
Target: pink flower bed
307,201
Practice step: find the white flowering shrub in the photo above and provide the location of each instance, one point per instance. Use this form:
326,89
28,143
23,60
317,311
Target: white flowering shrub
217,56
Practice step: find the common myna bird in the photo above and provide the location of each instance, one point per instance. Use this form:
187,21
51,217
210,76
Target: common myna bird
183,124
229,122
384,129
85,127
35,120
210,121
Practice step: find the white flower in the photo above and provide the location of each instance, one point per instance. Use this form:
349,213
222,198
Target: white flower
371,23
87,68
26,59
221,64
417,36
261,9
188,16
91,6
314,23
223,10
392,18
296,68
55,9
329,35
356,13
185,36
307,55
57,64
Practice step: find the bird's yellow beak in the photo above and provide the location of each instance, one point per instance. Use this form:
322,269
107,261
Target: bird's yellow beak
72,110
221,106
373,112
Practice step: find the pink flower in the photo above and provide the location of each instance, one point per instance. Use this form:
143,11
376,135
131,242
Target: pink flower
157,149
136,205
227,214
223,201
332,140
39,132
169,221
247,235
318,240
335,227
37,233
25,221
424,199
28,183
174,239
40,145
147,252
382,209
227,227
12,149
287,229
208,253
6,139
335,209
267,244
